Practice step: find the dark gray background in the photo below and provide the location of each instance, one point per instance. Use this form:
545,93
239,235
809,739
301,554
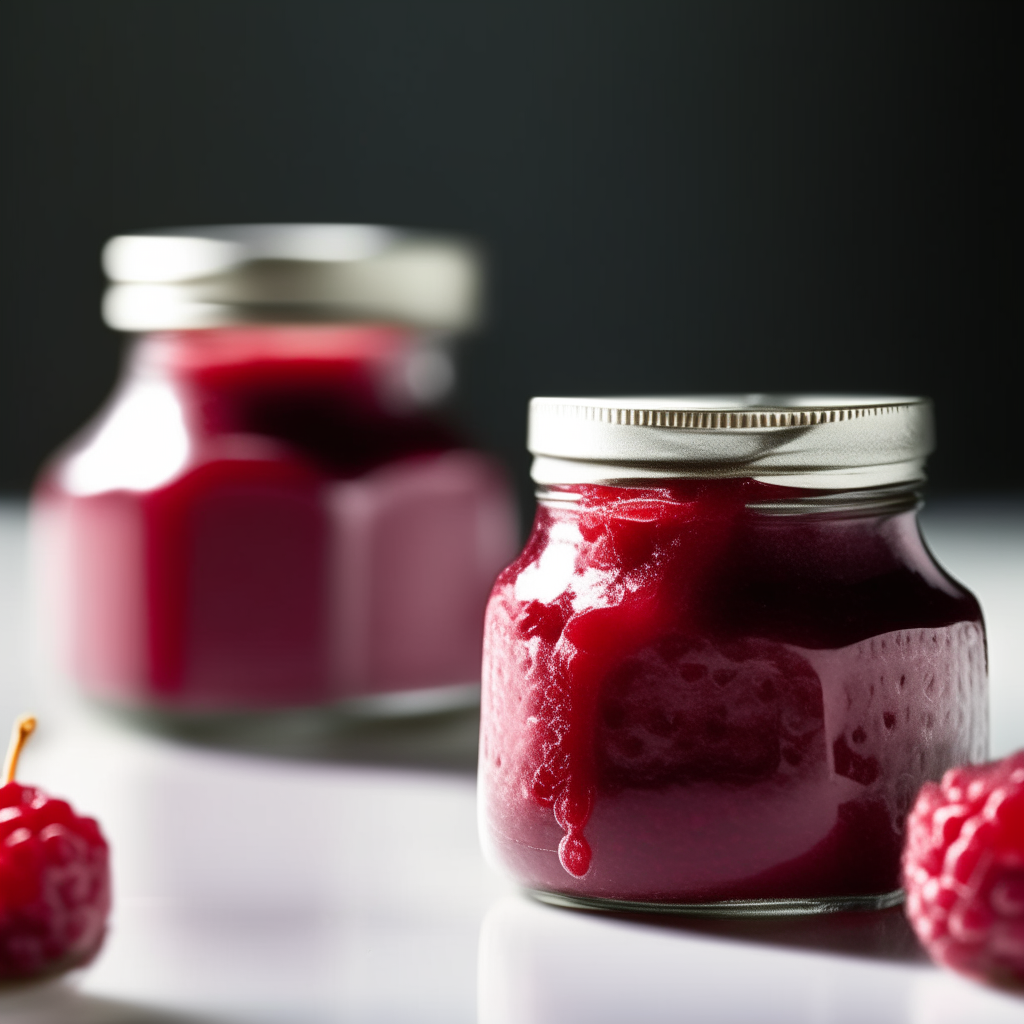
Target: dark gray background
675,196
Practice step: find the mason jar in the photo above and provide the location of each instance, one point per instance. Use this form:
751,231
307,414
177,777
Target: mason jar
725,660
271,510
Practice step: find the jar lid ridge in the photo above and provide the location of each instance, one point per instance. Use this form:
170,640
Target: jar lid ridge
217,276
805,440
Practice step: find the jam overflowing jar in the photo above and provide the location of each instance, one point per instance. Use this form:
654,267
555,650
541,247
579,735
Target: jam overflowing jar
270,512
725,662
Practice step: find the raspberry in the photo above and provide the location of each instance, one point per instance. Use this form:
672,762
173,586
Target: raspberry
963,870
54,879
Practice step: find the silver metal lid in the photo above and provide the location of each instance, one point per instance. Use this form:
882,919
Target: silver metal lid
832,442
189,278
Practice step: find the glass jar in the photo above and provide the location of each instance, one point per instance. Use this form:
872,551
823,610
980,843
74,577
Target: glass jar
270,512
725,662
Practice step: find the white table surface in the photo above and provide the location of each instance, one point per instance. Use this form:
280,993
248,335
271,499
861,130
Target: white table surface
306,877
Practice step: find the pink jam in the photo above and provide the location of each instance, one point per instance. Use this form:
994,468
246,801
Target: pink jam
266,516
688,700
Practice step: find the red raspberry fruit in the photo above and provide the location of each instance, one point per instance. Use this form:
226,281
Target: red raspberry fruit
963,869
54,878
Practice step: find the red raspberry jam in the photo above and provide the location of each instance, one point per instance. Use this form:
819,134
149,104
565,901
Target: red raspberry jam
266,516
691,697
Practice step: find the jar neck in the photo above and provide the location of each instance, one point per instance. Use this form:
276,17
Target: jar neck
393,368
753,496
193,352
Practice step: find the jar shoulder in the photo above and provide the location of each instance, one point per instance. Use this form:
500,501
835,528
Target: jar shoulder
831,583
812,582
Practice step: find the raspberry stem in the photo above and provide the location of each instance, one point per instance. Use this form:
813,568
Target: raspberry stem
23,728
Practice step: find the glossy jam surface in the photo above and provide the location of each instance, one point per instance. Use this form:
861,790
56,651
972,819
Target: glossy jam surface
686,700
270,516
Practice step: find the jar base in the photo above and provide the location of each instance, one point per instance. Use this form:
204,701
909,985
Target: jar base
433,700
395,705
435,729
727,908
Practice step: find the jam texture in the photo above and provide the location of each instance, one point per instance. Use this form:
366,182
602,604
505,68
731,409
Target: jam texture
688,700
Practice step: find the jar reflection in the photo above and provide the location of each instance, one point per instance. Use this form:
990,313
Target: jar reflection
541,966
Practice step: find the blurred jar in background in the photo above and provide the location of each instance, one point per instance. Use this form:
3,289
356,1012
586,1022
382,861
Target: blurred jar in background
270,512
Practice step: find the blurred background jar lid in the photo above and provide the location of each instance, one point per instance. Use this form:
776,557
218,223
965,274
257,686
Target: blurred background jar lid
798,440
202,277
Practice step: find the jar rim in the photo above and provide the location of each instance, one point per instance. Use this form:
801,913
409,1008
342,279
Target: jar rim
790,502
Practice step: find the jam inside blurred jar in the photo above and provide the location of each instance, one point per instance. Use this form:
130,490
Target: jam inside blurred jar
721,695
272,515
